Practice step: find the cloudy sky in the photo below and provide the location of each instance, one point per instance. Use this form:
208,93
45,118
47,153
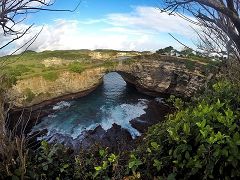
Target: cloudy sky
108,24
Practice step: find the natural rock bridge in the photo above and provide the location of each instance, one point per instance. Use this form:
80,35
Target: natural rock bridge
153,75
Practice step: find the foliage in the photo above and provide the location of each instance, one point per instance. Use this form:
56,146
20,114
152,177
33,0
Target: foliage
98,163
165,50
50,75
13,156
201,140
12,72
76,67
50,162
190,64
187,52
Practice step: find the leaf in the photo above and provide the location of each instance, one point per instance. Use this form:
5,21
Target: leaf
171,176
105,164
102,152
203,124
155,145
131,164
65,166
61,170
187,155
186,128
112,158
45,168
157,164
98,168
149,150
236,138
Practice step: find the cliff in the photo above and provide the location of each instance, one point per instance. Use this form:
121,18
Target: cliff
36,90
151,74
163,75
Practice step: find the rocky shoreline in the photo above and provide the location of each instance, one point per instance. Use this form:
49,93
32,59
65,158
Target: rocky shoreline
151,75
115,138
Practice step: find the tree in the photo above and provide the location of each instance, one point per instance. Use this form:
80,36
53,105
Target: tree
165,50
12,13
186,51
218,22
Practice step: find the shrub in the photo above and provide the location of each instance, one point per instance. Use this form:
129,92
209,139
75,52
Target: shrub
13,72
190,64
50,75
50,162
76,67
97,164
201,140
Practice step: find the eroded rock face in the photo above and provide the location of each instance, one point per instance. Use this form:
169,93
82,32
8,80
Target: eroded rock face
156,75
68,85
151,74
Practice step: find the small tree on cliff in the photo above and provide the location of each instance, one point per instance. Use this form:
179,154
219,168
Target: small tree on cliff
165,50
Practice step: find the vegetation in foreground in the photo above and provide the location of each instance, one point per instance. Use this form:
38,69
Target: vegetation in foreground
200,140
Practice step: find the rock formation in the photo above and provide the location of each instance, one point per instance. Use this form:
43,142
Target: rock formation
164,75
150,74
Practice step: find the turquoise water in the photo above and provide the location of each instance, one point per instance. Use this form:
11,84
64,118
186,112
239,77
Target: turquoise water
112,102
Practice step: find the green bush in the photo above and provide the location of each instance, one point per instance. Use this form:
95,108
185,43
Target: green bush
199,141
50,162
13,72
50,75
190,64
55,161
76,67
97,164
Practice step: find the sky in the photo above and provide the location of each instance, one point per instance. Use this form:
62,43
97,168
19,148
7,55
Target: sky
109,24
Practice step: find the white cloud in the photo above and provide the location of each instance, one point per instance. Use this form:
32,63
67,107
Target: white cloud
143,29
150,19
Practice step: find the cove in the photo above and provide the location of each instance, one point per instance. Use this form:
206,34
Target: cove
112,103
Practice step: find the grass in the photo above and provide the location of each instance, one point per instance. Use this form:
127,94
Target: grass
76,67
30,63
50,75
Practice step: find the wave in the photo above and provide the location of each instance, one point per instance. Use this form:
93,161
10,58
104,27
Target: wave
61,105
122,115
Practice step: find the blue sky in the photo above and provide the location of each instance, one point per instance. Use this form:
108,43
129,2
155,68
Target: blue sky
110,24
91,9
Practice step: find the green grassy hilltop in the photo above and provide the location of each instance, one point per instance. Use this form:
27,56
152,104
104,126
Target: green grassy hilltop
49,63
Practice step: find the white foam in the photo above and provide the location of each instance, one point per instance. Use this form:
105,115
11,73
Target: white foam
61,105
52,116
122,115
118,114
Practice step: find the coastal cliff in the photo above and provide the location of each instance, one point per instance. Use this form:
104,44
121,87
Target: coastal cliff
163,75
153,75
68,85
